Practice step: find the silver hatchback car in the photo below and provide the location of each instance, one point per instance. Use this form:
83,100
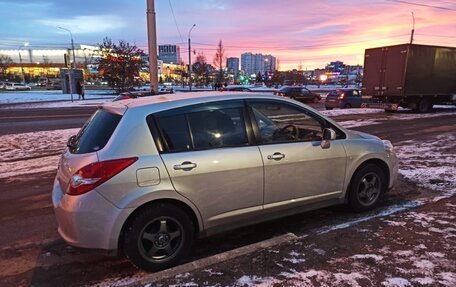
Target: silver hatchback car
148,175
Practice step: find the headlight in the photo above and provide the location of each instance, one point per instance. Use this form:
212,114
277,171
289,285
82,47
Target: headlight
388,146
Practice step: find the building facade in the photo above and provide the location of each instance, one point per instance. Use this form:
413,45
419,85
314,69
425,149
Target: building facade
169,54
232,65
251,63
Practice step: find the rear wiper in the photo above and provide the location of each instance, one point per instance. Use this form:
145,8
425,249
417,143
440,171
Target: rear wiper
70,142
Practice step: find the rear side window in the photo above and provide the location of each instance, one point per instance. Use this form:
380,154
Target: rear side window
95,133
198,127
174,130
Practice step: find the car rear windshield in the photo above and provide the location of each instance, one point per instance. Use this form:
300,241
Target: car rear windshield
95,133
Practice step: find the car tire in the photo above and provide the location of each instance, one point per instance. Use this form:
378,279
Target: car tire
423,106
158,238
366,186
347,106
328,108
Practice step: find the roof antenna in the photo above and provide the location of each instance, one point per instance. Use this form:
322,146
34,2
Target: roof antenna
413,29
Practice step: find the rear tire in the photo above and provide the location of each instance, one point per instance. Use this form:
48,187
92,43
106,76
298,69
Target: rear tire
158,238
347,106
366,186
423,106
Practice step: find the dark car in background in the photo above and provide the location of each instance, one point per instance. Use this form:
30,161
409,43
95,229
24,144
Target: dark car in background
301,94
140,94
344,99
236,89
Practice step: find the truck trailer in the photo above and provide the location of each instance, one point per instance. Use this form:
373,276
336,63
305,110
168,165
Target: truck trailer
409,76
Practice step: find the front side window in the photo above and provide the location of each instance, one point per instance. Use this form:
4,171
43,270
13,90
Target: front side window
281,123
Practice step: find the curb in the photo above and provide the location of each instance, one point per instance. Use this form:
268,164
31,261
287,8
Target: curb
214,259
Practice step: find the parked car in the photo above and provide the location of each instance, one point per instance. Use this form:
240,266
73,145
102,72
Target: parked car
236,89
148,175
344,99
17,87
301,94
54,84
140,94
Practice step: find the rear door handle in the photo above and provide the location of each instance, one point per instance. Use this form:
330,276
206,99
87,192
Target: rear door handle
276,156
186,165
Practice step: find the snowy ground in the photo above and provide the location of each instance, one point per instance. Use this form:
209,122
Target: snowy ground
40,96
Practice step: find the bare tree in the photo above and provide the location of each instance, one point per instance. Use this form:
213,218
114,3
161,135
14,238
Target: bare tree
201,69
5,63
218,61
120,63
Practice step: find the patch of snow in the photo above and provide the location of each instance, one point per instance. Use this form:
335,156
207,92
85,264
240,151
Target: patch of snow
423,280
185,275
396,282
430,164
395,223
447,279
405,253
59,104
211,273
424,264
30,166
358,123
341,112
253,280
368,256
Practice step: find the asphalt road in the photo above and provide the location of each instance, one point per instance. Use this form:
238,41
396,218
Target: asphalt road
29,120
32,253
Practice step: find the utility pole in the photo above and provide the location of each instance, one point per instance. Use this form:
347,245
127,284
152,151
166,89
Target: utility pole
413,29
152,37
190,59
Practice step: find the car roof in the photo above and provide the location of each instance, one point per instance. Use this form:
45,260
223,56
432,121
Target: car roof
169,101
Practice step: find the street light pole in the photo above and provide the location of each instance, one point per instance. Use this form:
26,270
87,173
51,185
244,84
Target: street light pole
190,59
20,62
413,29
70,76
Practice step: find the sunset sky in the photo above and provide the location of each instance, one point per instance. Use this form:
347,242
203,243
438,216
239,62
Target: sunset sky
301,34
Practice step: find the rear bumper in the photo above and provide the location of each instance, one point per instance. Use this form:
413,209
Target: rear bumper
88,220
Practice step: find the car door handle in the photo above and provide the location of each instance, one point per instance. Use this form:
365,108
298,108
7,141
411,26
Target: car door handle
276,156
186,165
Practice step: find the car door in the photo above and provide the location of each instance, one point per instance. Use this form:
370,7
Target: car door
212,160
356,98
297,169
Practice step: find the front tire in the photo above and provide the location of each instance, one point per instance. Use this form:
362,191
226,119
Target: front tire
158,238
366,186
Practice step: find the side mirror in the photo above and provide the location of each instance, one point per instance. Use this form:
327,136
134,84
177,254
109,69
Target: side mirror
328,136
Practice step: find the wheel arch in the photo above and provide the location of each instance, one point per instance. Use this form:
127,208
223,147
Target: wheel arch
165,201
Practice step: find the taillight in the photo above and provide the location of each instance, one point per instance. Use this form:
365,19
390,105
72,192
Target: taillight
342,96
282,94
94,174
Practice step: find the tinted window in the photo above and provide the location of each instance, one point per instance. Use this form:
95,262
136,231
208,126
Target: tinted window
214,127
280,122
174,130
95,133
211,125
